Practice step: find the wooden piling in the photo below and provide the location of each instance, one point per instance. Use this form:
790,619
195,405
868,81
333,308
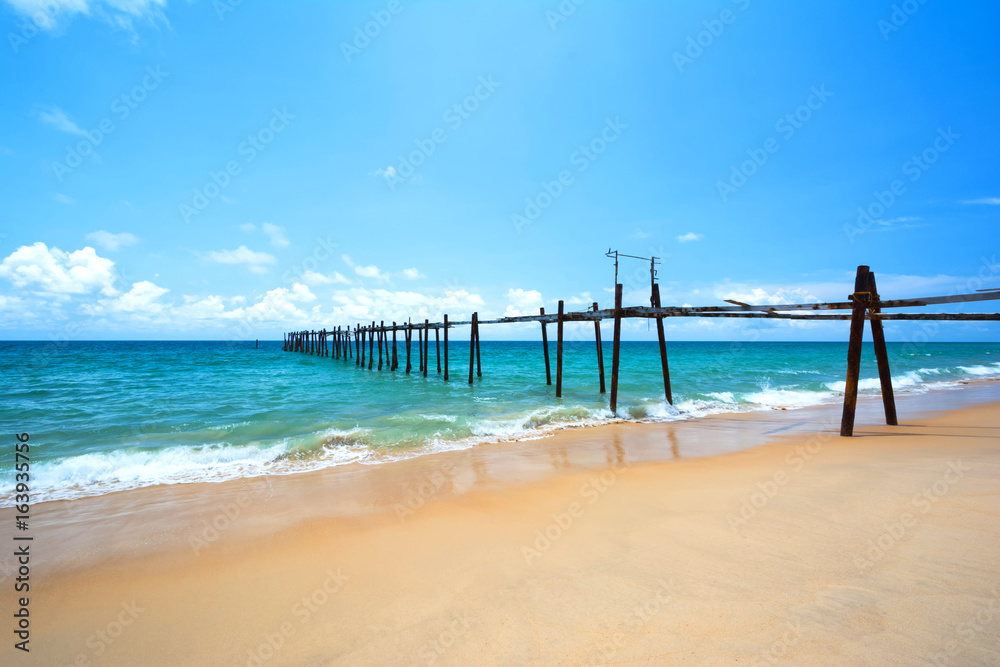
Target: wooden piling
408,332
446,346
395,359
854,351
663,347
559,350
882,357
364,343
615,348
545,350
420,350
479,360
437,346
371,346
359,349
381,335
427,345
600,349
472,345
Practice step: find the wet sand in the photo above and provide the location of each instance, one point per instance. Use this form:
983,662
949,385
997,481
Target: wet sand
736,538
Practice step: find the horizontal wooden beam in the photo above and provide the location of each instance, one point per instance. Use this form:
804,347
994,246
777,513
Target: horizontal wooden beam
779,311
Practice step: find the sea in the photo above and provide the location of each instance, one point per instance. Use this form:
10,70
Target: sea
111,416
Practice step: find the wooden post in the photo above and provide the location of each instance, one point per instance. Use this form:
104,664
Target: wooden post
854,351
882,357
427,345
472,346
357,344
559,348
545,350
446,346
395,359
615,348
420,350
663,347
437,346
381,335
409,336
256,344
600,349
479,361
371,346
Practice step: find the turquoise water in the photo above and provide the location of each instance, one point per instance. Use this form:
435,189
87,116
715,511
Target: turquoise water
107,416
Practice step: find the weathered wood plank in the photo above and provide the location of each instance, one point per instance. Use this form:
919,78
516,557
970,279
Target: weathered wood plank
882,359
600,349
854,353
559,350
663,347
545,349
616,348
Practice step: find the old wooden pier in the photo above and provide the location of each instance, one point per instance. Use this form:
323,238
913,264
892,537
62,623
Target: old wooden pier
359,344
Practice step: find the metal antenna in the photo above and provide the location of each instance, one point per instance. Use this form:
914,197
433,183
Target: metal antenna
653,261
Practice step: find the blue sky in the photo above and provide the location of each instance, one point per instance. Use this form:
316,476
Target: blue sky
220,170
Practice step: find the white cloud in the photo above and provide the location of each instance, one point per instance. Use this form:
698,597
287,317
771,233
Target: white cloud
57,272
113,242
412,274
9,302
371,271
360,304
142,300
894,224
58,118
44,14
63,199
690,236
276,234
248,227
583,299
989,201
523,302
388,173
760,297
314,278
257,262
639,234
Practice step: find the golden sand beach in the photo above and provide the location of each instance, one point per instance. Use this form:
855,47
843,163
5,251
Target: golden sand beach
735,539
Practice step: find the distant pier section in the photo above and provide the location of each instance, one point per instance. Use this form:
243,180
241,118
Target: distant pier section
370,343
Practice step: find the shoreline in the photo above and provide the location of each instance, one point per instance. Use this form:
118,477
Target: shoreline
376,456
542,550
357,489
